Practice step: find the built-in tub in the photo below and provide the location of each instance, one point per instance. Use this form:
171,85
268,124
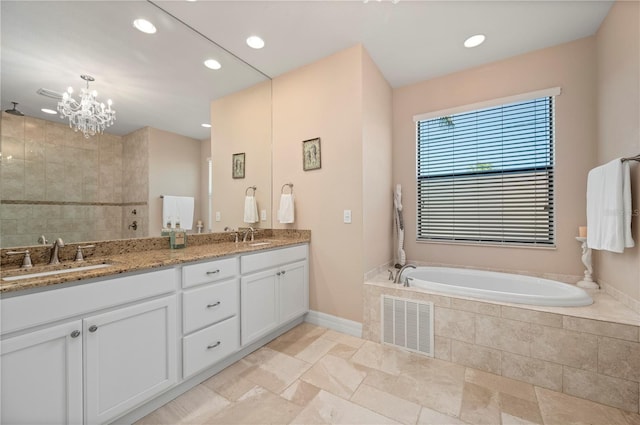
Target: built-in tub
496,286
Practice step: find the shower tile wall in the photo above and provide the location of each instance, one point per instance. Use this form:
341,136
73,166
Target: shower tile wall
76,183
135,188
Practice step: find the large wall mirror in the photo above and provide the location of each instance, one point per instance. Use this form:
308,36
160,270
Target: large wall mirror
57,183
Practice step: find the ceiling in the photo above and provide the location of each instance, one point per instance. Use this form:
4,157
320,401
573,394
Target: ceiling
159,79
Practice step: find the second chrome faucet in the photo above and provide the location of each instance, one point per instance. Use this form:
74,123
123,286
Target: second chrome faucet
55,248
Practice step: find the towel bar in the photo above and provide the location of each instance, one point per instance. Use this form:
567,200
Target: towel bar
285,185
246,192
632,158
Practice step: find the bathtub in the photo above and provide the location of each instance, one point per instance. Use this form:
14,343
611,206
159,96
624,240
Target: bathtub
495,286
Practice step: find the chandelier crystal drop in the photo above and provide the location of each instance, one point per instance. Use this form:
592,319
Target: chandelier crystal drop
88,116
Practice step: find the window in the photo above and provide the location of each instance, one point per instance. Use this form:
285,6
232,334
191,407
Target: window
486,175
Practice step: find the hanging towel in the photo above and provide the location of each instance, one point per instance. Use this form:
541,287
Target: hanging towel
178,208
250,209
609,207
286,212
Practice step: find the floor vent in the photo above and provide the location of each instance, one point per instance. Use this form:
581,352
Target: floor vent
408,324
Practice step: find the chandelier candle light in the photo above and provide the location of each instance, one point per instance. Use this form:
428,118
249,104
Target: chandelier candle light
88,115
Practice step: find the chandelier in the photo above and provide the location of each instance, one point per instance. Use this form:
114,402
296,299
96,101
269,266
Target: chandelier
87,116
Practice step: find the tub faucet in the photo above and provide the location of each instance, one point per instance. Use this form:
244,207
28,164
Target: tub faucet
399,275
54,259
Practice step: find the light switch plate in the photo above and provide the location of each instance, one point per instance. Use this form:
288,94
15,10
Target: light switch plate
217,215
263,215
347,216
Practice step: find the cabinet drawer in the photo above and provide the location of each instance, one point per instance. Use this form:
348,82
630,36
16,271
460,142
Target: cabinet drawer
263,260
211,271
210,304
210,345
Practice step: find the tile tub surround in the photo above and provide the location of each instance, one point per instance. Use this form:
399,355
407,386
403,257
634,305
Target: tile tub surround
588,352
136,254
314,375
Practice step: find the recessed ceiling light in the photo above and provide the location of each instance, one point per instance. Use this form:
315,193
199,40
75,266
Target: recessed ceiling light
474,40
255,42
144,26
206,125
212,64
48,111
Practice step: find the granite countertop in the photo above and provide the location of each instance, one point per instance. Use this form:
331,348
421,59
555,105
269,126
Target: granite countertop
135,261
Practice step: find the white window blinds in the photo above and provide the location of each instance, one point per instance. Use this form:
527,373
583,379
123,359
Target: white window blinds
487,175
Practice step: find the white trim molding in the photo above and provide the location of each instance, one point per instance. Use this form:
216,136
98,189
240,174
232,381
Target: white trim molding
336,323
554,91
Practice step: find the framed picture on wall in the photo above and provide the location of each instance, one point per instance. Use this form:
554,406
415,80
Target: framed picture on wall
311,154
237,166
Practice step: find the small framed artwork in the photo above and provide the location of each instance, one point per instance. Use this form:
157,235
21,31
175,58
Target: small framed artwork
311,158
237,170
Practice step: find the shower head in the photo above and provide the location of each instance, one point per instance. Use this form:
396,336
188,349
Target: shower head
14,111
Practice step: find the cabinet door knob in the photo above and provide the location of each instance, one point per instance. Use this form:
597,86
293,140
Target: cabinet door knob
93,328
284,271
214,271
209,347
75,334
215,304
278,274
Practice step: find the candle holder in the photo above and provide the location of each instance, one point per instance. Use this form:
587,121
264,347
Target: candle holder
588,281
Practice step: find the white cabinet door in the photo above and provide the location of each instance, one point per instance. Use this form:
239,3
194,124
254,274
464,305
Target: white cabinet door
259,304
130,357
41,376
293,291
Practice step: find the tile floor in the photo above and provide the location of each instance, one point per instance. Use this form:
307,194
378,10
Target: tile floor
312,375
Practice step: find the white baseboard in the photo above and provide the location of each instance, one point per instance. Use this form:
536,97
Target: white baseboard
334,322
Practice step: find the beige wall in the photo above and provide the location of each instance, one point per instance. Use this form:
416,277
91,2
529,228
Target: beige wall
618,89
241,122
205,154
570,66
377,187
174,169
324,100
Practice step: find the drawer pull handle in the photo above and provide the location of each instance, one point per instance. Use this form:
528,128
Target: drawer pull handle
75,334
215,304
93,328
214,271
209,347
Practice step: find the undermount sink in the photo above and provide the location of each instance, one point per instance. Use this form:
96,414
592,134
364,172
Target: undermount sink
56,272
259,243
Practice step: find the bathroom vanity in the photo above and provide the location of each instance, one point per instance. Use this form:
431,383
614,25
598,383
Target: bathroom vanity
118,346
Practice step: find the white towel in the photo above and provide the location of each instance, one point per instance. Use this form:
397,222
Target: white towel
609,207
250,209
286,212
178,208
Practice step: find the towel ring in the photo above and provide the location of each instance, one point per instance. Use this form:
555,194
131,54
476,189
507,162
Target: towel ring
246,192
290,188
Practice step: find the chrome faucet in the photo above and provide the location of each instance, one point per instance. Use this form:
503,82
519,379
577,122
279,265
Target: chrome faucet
246,233
399,275
54,259
233,231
